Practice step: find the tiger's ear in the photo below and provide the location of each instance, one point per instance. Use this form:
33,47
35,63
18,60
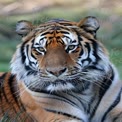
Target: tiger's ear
23,27
89,24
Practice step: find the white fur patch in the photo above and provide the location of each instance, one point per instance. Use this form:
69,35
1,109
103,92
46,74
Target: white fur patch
59,87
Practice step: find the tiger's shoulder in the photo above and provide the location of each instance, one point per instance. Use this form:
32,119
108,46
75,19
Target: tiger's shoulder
11,107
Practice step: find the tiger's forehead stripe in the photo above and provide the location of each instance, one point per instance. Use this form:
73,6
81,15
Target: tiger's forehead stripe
66,34
56,36
58,30
62,23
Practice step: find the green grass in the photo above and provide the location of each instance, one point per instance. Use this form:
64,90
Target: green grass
7,49
116,58
4,66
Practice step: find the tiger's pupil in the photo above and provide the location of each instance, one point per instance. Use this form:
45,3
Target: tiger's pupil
71,47
41,49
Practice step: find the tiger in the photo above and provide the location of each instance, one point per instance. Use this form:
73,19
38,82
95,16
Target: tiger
61,72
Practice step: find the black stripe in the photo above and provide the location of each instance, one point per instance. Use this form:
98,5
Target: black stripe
33,55
64,32
10,83
45,33
93,67
95,50
1,92
15,97
81,53
66,100
2,77
5,98
66,24
32,46
60,97
22,51
80,100
80,86
88,48
86,29
27,67
1,102
117,100
103,89
1,106
87,59
67,37
63,27
79,38
65,114
78,34
4,94
27,49
2,87
106,84
59,40
117,117
13,91
2,81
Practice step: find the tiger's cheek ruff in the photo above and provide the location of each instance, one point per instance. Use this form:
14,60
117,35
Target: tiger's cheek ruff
24,64
93,66
22,68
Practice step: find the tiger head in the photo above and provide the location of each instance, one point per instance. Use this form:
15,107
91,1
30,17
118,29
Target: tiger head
59,55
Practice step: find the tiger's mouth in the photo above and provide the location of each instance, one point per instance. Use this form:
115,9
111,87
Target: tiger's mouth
59,81
59,85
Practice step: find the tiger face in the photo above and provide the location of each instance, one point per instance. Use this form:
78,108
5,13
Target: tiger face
59,55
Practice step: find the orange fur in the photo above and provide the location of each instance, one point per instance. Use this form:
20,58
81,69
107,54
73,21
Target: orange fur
35,110
31,112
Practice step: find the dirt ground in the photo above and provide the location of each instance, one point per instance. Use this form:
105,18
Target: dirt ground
12,7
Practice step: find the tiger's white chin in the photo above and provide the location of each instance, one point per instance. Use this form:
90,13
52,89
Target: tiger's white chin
60,87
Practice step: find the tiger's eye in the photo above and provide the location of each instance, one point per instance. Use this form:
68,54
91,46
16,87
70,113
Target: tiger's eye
71,47
41,49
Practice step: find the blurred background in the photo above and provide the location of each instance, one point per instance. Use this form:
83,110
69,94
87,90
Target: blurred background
108,12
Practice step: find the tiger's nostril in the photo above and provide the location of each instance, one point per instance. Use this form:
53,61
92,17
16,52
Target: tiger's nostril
62,71
57,72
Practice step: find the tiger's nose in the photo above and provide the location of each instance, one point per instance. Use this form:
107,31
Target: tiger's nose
56,73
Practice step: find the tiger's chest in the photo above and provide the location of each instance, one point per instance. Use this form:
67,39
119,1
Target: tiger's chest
65,107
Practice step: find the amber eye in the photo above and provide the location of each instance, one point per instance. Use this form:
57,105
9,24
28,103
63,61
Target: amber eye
41,49
71,47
